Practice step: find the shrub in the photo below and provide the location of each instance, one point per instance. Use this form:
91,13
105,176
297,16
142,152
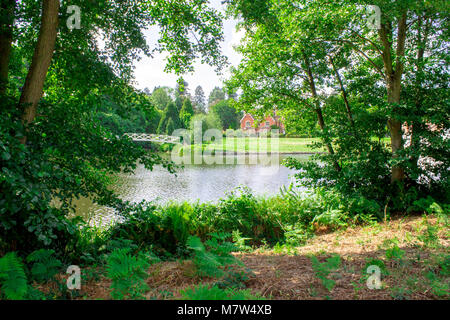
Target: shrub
242,211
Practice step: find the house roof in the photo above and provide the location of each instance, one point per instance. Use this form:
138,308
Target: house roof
245,115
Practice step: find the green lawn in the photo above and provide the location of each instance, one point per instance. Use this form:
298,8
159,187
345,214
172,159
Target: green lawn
253,144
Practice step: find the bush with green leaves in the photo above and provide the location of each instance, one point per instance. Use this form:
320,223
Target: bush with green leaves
242,211
13,281
128,274
166,228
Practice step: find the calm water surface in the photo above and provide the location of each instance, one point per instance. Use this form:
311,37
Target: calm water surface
203,182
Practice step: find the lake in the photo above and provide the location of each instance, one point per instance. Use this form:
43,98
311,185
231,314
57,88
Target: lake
200,182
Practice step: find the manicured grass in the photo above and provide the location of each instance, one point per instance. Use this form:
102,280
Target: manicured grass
253,144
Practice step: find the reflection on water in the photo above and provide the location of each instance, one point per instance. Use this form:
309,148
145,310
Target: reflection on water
193,182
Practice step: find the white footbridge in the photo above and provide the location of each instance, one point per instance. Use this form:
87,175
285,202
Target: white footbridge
158,138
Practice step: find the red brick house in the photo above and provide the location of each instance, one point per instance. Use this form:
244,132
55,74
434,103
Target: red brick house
248,123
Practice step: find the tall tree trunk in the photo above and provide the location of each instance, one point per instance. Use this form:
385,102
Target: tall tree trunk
394,85
43,53
318,111
344,95
6,37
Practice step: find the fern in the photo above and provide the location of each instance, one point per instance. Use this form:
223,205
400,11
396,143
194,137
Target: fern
13,280
45,265
128,274
212,258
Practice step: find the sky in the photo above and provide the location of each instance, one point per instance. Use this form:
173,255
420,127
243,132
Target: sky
149,71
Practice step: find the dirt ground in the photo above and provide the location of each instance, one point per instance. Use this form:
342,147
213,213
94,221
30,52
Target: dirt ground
291,275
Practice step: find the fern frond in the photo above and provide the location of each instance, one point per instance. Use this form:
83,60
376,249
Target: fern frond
12,277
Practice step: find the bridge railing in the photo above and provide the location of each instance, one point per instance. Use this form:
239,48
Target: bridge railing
151,137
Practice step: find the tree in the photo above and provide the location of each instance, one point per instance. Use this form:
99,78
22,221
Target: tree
199,100
43,53
216,95
143,13
200,123
170,128
69,80
182,89
186,113
171,112
179,103
7,9
295,51
161,98
229,117
384,51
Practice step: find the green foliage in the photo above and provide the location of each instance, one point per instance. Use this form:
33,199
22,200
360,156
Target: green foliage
438,281
290,55
200,123
44,265
239,241
170,113
216,95
128,274
286,219
211,257
426,205
160,98
13,280
170,128
205,292
186,113
235,277
242,211
324,269
429,236
393,252
229,117
165,228
295,235
333,218
376,262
